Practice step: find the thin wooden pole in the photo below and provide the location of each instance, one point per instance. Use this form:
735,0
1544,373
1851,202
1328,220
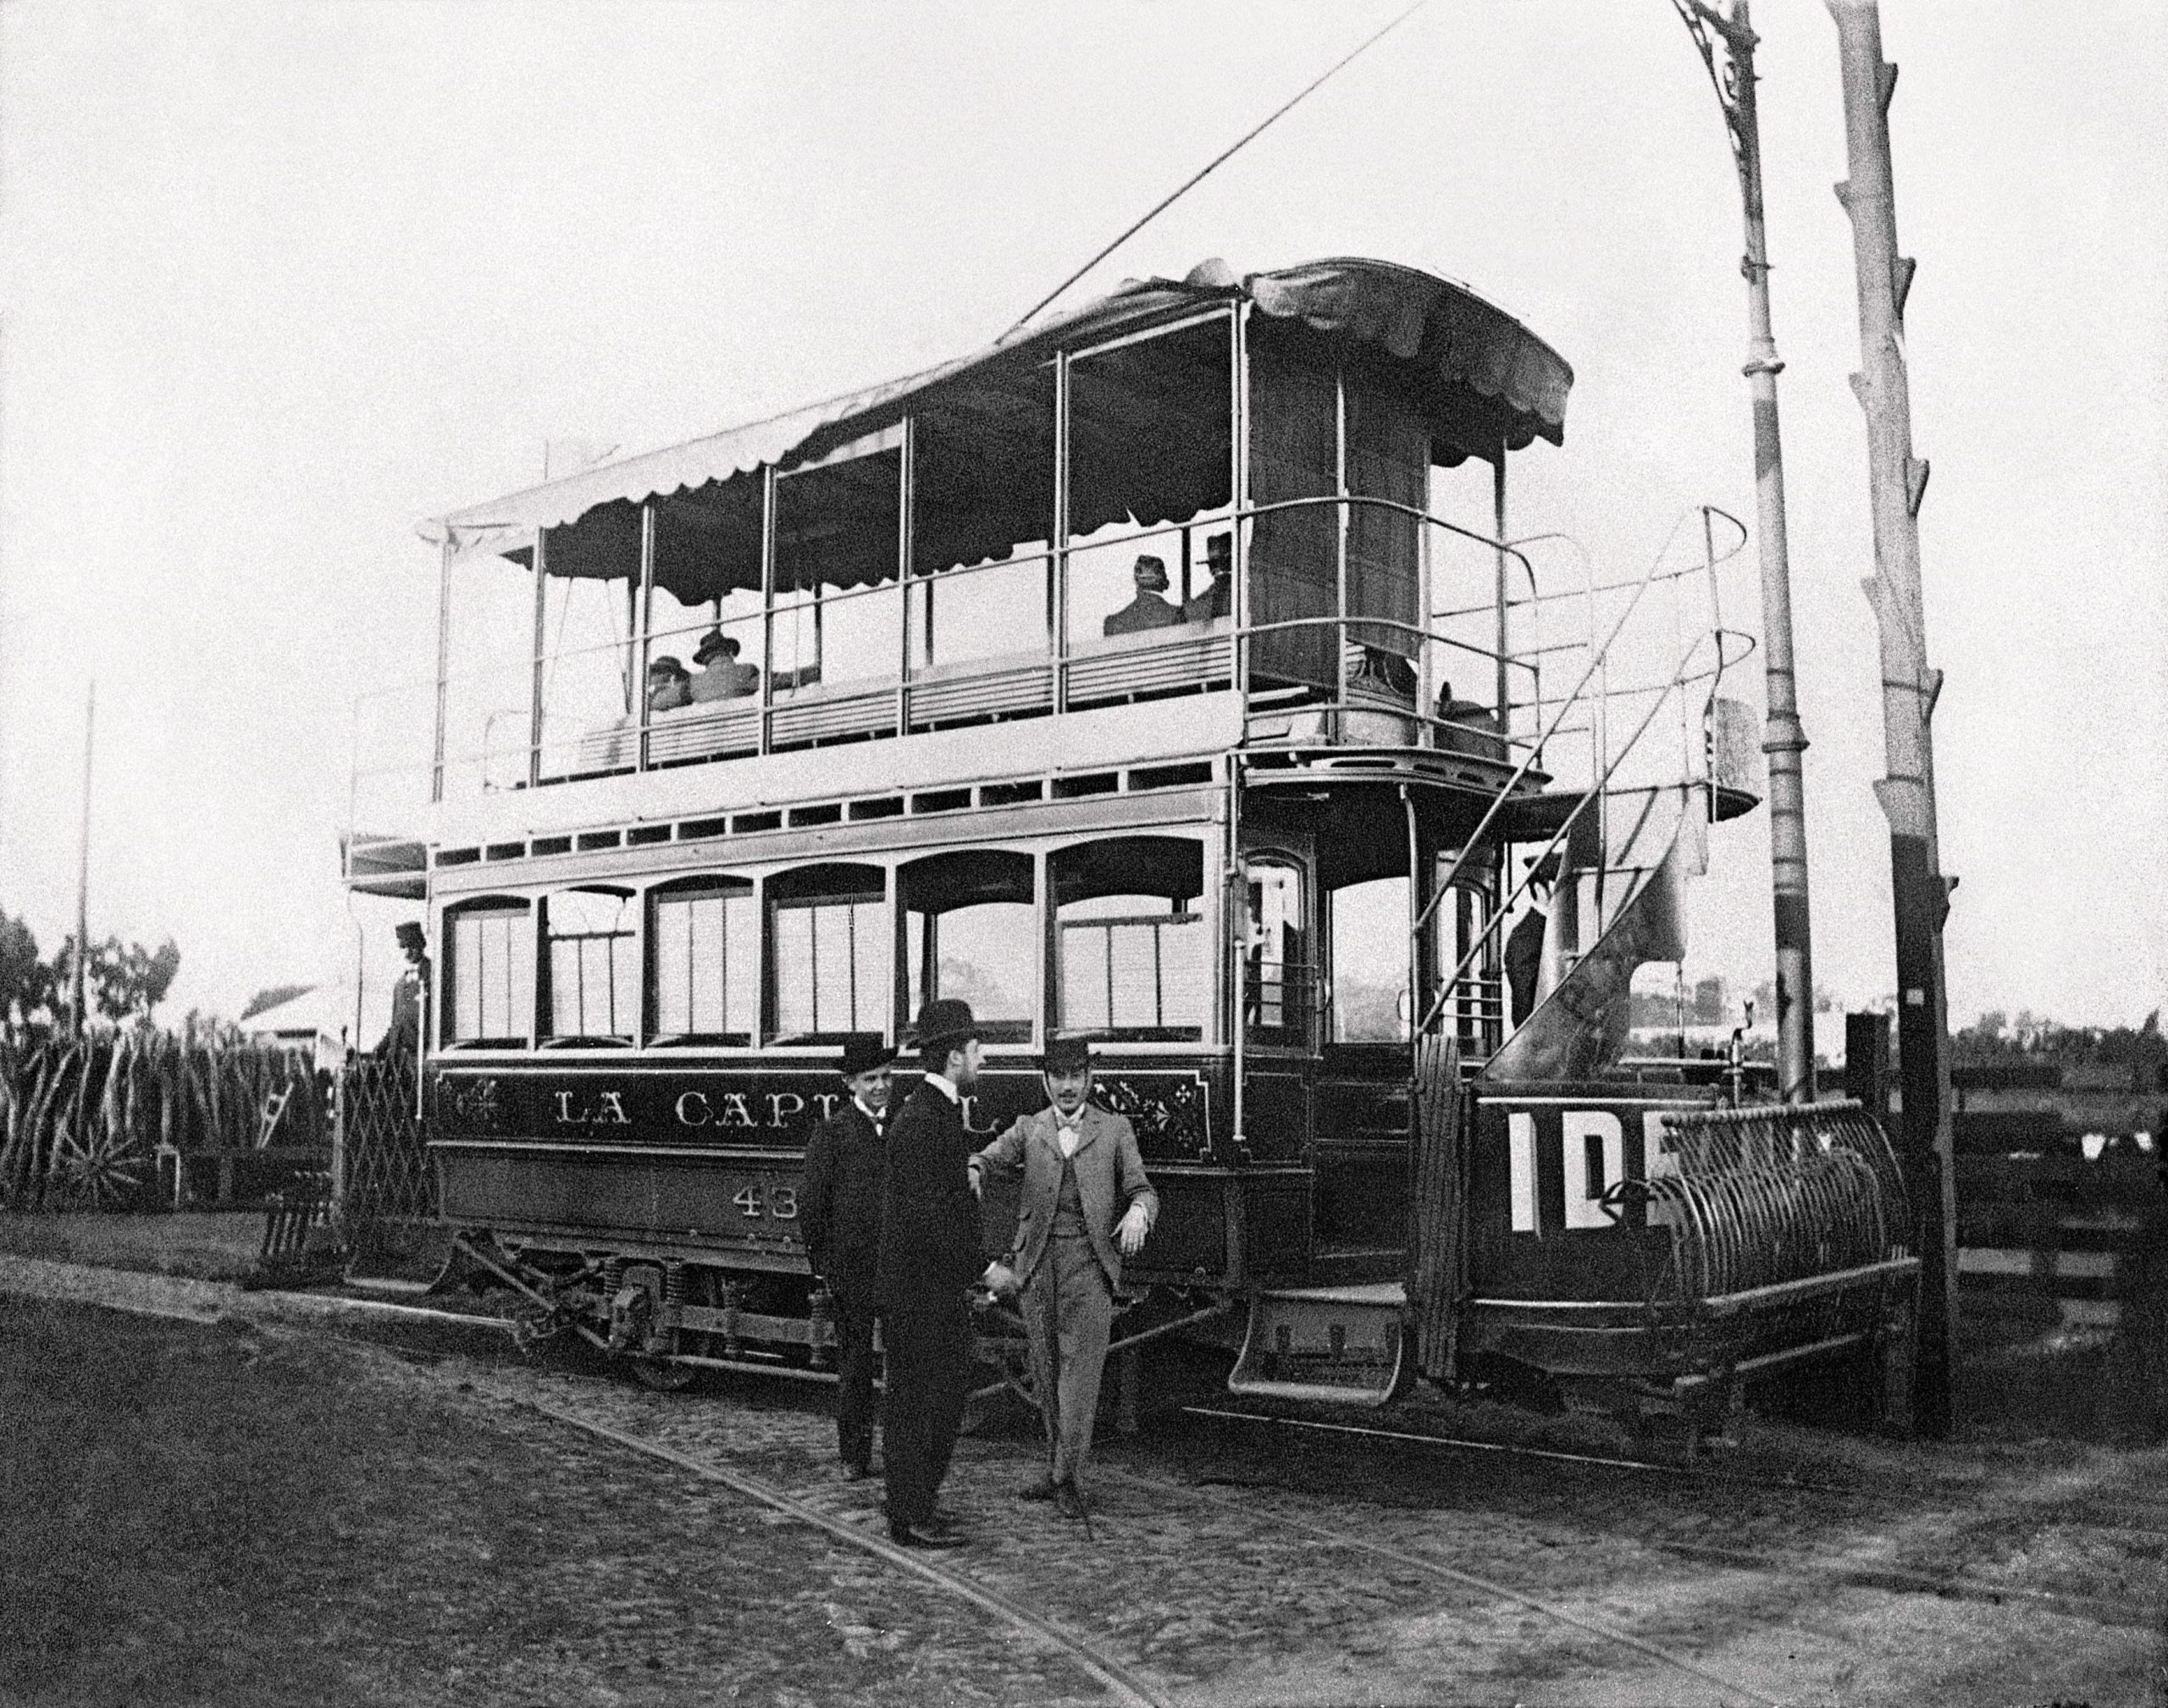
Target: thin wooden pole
83,862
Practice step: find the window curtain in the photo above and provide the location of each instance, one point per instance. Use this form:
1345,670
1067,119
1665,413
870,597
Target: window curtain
1293,559
1388,457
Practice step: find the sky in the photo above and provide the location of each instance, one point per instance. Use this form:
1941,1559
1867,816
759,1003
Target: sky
276,281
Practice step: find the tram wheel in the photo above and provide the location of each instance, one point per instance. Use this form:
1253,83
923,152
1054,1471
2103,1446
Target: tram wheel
663,1376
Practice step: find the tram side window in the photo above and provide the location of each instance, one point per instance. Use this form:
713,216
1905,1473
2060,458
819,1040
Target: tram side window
590,966
838,613
981,514
971,931
706,634
1280,978
1132,957
489,972
705,954
828,952
1151,479
1369,962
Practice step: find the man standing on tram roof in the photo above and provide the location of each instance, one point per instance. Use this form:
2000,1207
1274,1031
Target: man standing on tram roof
840,1212
1150,609
930,1256
1086,1206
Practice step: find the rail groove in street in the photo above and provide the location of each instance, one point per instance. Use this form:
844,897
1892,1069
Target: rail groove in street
207,1301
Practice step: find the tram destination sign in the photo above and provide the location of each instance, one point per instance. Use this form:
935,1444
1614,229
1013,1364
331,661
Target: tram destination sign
780,1107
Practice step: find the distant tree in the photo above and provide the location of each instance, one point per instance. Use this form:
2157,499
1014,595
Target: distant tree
25,980
124,980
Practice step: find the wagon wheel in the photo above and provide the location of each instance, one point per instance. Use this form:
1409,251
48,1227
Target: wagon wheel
95,1172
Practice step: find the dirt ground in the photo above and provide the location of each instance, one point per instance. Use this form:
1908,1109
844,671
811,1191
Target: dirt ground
229,1513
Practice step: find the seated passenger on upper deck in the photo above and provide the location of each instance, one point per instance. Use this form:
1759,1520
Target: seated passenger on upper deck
1217,599
1149,608
668,684
721,676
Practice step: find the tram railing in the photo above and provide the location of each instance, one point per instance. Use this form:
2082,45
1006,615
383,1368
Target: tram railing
1583,847
927,656
1767,1198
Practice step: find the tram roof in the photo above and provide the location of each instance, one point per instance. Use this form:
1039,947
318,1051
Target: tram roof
1478,367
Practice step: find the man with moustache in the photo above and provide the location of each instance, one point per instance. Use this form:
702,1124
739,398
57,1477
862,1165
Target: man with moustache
840,1213
1086,1205
930,1257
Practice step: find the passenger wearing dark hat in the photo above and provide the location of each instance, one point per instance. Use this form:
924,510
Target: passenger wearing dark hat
839,1213
1150,609
721,676
1217,598
1086,1205
930,1257
669,684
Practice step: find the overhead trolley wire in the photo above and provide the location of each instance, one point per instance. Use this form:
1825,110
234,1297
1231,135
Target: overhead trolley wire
1219,160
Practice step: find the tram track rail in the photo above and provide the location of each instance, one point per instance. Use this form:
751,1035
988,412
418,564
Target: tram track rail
1704,1474
322,1315
2098,1609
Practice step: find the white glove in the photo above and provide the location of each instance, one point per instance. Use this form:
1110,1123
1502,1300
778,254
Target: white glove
1002,1281
1130,1232
977,1176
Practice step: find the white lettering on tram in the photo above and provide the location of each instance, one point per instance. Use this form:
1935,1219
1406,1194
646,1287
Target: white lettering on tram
1587,1170
1657,1160
781,1104
736,1113
1585,1187
608,1110
692,1109
1520,1168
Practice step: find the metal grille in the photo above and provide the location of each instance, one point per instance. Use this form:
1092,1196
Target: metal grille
386,1177
1778,1193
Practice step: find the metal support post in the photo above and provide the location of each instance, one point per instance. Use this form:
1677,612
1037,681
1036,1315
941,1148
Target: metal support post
1783,737
1897,481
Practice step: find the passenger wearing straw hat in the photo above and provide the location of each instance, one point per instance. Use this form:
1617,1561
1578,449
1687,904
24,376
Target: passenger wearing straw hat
1086,1206
840,1213
930,1257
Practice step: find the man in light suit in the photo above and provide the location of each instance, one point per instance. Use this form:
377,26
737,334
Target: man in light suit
1086,1205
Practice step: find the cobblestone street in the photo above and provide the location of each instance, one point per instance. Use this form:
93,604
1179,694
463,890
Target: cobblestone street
1230,1561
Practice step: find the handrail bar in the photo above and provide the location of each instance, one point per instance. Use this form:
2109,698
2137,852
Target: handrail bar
1596,660
1557,836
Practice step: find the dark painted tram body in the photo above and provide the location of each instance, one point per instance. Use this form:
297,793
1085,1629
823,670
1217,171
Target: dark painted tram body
1250,842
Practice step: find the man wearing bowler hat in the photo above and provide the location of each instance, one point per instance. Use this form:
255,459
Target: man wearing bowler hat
930,1257
1086,1206
840,1213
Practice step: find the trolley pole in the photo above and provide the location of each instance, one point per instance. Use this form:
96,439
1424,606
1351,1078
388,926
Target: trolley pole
1783,738
83,869
1897,481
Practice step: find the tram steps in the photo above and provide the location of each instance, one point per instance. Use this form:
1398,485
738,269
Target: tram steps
1343,1346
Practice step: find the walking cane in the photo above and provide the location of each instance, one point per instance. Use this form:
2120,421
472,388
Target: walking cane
1050,1401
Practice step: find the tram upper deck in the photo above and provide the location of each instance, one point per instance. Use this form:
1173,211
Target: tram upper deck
1191,518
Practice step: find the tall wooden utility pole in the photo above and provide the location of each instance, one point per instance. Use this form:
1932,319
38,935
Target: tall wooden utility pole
1896,483
83,865
1784,739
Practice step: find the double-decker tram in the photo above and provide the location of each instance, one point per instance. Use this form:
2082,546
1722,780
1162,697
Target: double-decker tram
1163,676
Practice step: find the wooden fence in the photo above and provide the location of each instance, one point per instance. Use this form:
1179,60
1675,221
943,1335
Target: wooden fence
142,1120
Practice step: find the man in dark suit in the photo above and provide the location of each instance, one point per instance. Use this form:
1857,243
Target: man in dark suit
1151,608
840,1213
1086,1205
930,1256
